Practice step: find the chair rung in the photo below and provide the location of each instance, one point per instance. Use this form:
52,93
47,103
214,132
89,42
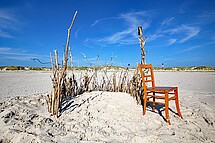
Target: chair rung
171,93
148,80
156,102
158,97
161,97
158,92
147,75
172,98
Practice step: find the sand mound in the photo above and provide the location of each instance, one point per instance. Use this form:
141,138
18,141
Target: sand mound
100,117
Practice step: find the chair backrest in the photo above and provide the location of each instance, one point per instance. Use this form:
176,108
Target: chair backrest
147,75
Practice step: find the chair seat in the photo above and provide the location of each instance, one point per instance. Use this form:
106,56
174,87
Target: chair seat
161,89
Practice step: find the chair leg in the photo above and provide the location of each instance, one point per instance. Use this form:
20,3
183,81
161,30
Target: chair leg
177,103
144,104
153,104
167,108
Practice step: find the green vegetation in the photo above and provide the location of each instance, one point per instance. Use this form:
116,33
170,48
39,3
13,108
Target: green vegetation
204,68
35,68
197,68
14,68
82,68
23,68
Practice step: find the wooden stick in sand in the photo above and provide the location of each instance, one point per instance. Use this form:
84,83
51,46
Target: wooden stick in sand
142,44
59,76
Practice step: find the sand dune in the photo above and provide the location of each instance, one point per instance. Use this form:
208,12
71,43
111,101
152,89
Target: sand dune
105,116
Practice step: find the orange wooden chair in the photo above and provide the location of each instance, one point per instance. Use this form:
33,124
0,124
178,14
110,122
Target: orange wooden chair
156,94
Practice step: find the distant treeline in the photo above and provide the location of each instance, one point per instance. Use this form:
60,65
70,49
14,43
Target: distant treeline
194,68
22,68
49,68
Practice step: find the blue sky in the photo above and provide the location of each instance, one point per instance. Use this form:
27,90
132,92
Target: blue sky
179,33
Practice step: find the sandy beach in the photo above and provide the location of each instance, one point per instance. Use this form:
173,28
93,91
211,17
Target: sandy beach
104,116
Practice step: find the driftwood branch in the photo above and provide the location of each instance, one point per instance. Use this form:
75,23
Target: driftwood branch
67,48
59,76
142,44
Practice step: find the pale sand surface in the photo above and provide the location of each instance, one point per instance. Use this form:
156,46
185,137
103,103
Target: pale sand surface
105,116
23,83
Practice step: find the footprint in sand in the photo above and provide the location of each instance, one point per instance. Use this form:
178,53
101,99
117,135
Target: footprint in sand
8,116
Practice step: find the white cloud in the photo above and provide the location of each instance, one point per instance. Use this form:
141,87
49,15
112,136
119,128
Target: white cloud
188,31
3,49
190,48
208,14
102,19
154,36
18,58
205,18
117,37
167,21
171,41
167,30
8,22
128,35
187,49
6,14
17,54
5,34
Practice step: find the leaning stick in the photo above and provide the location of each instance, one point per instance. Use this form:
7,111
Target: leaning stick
67,48
114,82
64,64
119,87
55,82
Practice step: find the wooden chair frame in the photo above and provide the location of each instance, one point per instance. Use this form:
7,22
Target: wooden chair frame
157,92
